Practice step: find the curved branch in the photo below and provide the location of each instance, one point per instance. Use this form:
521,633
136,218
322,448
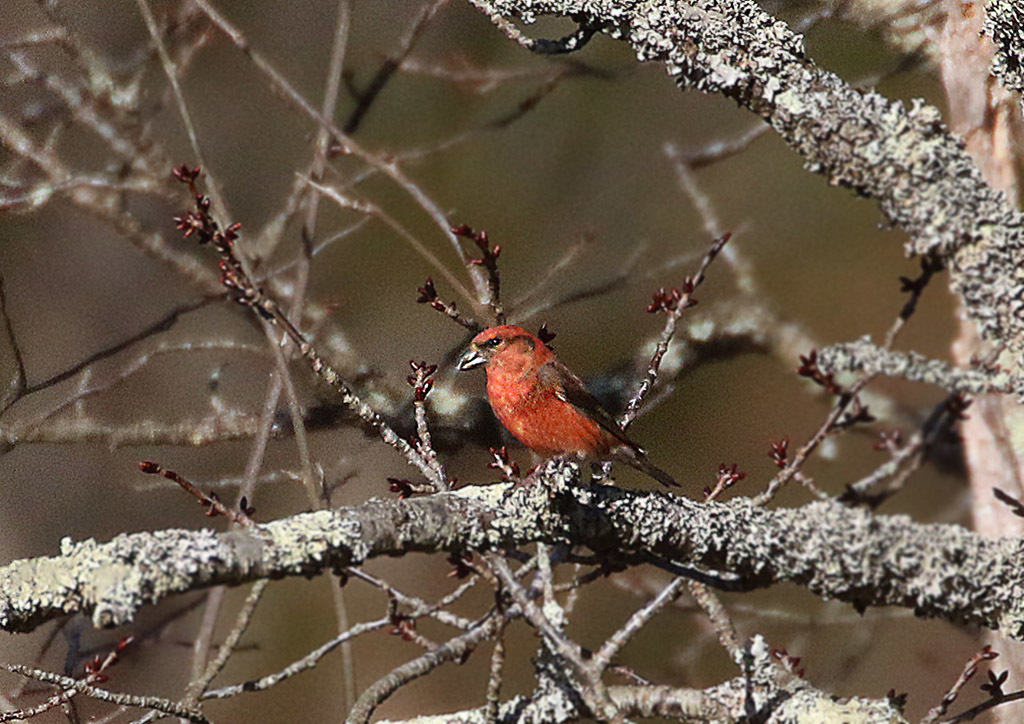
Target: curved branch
904,157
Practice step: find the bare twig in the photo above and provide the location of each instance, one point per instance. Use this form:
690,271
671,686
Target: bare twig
496,673
673,303
307,662
367,95
82,686
19,382
603,658
242,620
236,277
211,501
388,168
156,35
456,649
970,669
161,325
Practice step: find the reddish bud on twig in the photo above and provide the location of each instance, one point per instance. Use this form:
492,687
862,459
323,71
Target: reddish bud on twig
779,452
403,626
245,508
428,295
727,477
186,175
483,243
668,300
859,414
790,663
420,380
462,565
994,687
809,368
488,260
402,487
428,292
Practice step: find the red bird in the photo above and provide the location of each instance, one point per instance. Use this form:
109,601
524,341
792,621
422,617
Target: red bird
546,406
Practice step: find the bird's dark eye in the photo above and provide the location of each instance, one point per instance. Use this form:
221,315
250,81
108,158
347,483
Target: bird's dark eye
491,343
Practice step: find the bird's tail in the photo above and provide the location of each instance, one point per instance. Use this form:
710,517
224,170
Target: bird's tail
640,463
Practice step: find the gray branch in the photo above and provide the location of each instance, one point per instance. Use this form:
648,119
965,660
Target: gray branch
836,552
760,694
865,356
903,157
1004,23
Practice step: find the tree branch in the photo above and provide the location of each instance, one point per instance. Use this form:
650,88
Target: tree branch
836,552
904,157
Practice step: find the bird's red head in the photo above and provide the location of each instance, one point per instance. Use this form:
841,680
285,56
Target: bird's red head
503,342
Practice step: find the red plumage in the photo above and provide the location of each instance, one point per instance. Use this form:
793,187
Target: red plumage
544,405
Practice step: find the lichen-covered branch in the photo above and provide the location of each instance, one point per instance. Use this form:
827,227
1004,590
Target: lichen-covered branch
760,694
1004,23
865,356
834,551
902,156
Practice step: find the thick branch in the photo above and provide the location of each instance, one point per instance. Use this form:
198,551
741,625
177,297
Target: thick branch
1004,23
836,552
905,158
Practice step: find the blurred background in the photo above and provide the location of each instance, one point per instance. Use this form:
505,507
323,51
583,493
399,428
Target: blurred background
571,164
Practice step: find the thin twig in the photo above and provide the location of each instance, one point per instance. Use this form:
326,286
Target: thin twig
850,396
160,704
496,673
366,97
792,467
371,209
234,276
18,384
239,517
163,324
637,621
719,150
969,670
227,647
455,649
718,616
170,71
984,706
673,304
307,662
418,606
387,167
593,691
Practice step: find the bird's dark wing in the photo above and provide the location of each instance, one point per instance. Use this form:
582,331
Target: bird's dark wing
570,388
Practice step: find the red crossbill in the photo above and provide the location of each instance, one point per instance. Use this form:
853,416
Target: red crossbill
544,405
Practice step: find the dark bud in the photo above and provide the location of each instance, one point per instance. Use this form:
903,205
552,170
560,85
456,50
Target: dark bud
428,292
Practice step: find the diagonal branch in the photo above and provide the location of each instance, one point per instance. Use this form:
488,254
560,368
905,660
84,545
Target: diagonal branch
902,156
